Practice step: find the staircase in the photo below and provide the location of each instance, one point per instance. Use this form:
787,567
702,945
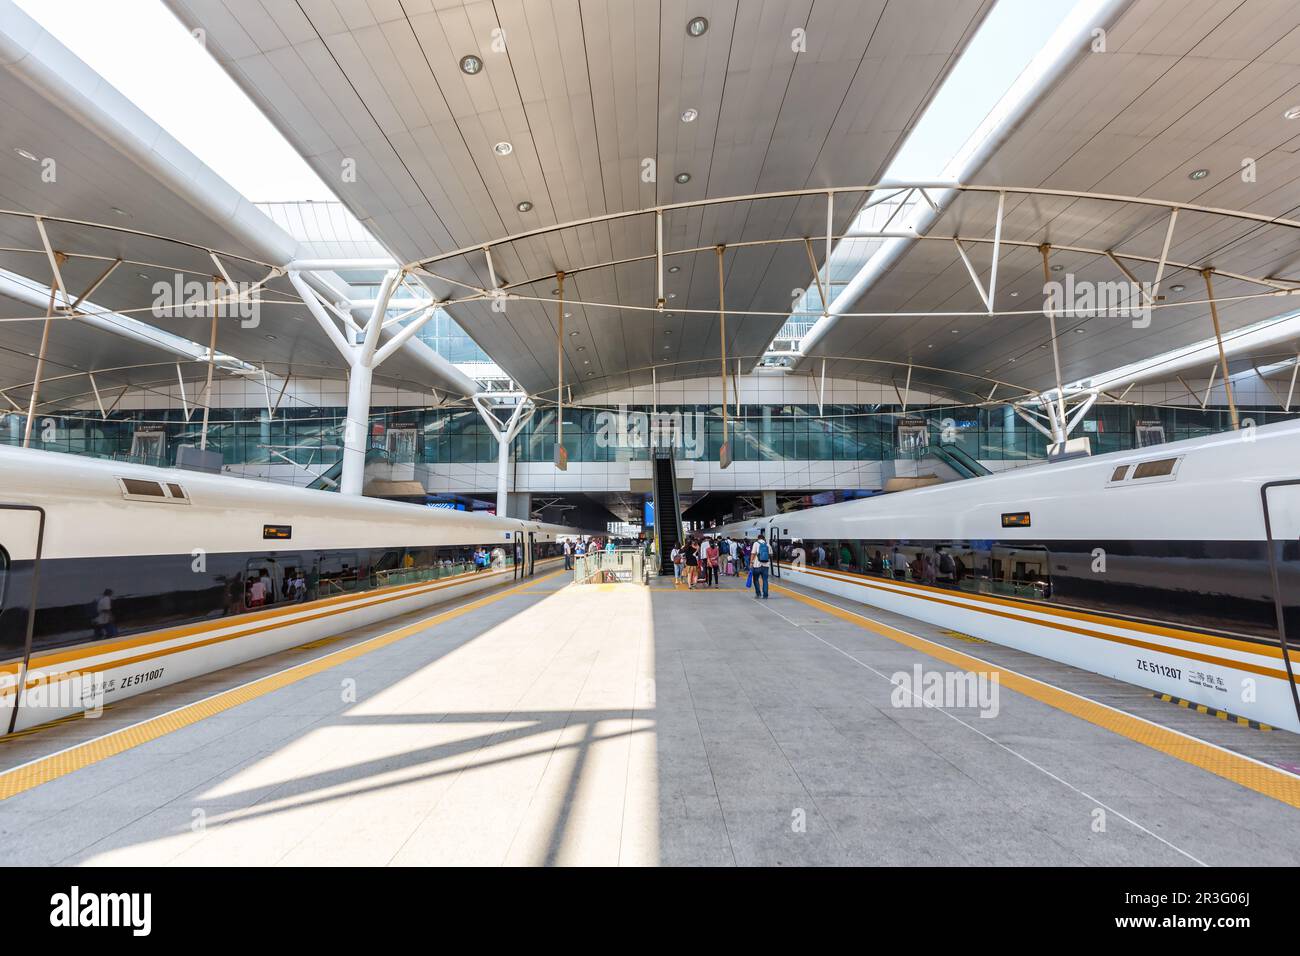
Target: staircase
668,511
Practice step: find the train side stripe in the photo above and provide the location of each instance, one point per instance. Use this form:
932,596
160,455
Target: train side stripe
1252,774
44,769
1055,622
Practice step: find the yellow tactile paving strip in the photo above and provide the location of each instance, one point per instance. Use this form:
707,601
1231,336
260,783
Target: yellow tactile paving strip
44,769
1260,777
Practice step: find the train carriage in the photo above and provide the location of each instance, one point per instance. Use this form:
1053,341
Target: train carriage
1175,567
117,578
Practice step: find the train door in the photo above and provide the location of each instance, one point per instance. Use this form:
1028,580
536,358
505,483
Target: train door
775,540
22,533
1281,503
531,556
518,555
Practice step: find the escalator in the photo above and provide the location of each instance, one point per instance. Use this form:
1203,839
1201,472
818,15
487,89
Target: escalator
668,509
958,460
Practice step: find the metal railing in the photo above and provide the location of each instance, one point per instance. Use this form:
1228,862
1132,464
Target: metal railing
624,566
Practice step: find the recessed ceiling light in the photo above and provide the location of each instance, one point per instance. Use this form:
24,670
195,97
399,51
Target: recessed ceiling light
524,205
1014,294
1178,287
26,154
929,346
582,348
571,334
142,276
1292,113
690,115
471,64
672,295
1078,331
271,337
503,149
568,315
590,374
954,331
120,212
586,361
1057,268
674,268
667,347
683,178
668,331
1198,174
697,26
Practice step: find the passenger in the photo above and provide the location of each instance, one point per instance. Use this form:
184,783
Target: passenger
609,546
759,560
946,568
690,564
568,555
846,555
711,567
300,585
103,622
256,591
676,558
899,562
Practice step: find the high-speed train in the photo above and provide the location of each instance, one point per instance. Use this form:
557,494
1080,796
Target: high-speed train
116,578
1174,567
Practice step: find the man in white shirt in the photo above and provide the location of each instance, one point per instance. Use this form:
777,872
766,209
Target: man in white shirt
760,558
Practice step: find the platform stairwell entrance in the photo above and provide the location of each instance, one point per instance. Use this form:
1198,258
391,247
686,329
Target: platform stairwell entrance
668,509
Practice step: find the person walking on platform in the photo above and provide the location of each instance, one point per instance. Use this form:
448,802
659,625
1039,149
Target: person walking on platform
568,555
676,558
759,560
711,567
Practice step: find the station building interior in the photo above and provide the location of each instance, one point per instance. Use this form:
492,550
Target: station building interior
654,271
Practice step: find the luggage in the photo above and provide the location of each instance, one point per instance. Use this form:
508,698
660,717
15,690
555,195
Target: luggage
731,568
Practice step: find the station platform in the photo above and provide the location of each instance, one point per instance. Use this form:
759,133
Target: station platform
547,723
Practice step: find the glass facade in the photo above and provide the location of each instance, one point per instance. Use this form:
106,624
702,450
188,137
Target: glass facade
313,437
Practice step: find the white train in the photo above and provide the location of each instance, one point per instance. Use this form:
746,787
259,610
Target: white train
1176,567
118,578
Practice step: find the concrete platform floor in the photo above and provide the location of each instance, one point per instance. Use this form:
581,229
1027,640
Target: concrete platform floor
613,724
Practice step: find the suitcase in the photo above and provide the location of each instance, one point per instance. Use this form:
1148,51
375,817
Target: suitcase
731,569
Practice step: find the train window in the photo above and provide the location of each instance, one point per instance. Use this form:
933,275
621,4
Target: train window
338,573
1120,473
274,580
176,490
386,567
139,488
1155,469
1019,572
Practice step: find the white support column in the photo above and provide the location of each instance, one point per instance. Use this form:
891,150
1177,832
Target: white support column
505,434
356,428
362,358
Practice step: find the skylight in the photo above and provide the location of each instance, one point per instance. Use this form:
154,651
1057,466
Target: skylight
147,54
1018,43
